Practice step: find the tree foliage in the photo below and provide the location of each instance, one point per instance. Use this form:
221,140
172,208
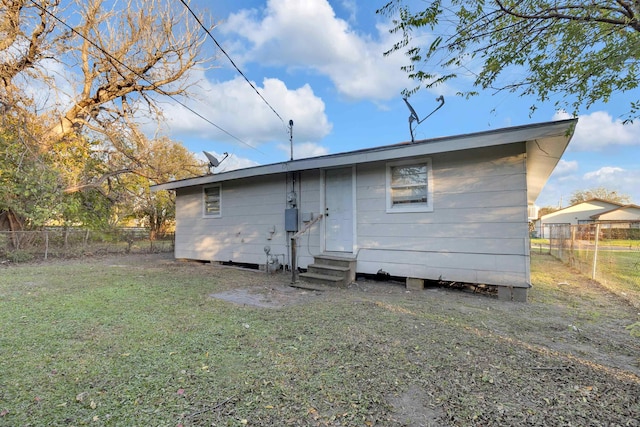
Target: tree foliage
589,50
165,160
602,193
545,210
29,187
76,84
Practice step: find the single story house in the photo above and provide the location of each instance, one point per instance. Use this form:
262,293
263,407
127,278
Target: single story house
626,213
452,208
581,213
620,223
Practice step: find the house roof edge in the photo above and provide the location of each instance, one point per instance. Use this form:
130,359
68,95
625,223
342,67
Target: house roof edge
487,138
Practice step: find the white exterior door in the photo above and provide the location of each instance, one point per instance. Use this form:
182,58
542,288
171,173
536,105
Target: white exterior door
338,210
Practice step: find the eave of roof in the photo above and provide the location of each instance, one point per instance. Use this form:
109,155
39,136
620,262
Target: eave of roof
619,208
546,143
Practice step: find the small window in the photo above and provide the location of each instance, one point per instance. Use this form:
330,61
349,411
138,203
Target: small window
409,186
212,201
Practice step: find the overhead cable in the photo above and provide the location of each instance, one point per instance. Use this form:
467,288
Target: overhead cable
73,30
228,57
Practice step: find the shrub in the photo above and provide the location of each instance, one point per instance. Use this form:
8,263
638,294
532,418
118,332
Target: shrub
19,256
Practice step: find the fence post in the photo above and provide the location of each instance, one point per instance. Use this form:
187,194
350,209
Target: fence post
46,244
595,252
572,259
294,267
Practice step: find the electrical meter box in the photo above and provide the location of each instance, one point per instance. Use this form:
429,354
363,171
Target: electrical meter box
291,219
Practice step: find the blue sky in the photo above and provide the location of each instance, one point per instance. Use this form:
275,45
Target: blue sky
320,64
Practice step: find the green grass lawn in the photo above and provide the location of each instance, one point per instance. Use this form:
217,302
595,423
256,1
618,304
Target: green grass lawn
631,244
97,342
111,346
538,241
617,270
620,271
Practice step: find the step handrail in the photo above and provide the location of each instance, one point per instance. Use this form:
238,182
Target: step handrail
307,227
294,238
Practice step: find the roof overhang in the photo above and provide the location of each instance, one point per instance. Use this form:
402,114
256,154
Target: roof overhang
545,144
543,154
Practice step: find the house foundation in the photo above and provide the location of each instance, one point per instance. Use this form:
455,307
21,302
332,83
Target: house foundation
510,293
414,284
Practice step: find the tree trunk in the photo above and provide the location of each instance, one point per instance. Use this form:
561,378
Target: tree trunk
15,225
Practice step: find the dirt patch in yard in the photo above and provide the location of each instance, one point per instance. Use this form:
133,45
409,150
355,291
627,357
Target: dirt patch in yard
267,296
415,408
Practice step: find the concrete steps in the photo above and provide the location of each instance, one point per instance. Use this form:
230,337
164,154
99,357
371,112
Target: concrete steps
331,270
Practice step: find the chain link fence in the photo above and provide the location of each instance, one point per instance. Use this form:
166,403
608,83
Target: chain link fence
22,246
607,252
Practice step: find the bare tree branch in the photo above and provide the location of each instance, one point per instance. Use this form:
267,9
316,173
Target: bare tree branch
629,19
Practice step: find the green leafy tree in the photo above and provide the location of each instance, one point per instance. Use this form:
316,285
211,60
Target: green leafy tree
547,210
586,49
29,188
599,193
166,160
140,163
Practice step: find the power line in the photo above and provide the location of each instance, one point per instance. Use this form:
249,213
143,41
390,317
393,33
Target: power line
228,57
73,30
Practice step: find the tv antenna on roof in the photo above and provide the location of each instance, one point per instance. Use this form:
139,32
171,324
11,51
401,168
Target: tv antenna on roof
414,116
213,161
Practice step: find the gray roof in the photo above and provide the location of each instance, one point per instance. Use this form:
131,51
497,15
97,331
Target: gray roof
546,142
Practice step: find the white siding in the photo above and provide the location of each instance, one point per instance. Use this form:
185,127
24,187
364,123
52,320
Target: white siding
251,208
309,202
627,213
477,231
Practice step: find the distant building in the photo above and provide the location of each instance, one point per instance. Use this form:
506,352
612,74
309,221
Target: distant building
588,212
626,213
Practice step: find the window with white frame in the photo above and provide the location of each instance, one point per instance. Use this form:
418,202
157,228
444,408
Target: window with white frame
410,186
212,198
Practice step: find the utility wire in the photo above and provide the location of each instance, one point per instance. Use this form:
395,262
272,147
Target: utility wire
140,75
228,57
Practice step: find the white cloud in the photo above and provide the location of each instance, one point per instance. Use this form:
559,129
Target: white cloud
234,106
565,167
599,130
234,162
624,181
352,7
605,174
308,34
303,150
54,94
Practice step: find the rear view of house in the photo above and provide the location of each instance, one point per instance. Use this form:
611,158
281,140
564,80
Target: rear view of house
453,209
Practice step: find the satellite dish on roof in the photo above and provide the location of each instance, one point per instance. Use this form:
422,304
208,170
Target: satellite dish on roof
414,116
213,161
